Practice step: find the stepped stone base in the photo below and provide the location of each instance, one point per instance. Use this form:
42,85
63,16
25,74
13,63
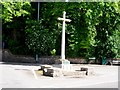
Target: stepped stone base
57,72
49,70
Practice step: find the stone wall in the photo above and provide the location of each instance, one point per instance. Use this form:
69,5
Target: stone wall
48,59
56,60
7,56
76,60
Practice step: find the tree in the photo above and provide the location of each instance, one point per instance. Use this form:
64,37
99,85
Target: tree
93,32
105,30
39,39
87,31
14,15
12,10
77,41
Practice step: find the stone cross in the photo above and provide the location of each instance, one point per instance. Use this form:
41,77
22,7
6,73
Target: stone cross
63,35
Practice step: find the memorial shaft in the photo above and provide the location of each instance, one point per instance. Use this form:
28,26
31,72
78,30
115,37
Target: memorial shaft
63,38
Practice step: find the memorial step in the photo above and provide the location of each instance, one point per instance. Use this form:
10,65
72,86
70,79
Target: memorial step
45,66
57,72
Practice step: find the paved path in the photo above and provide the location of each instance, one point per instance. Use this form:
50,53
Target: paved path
21,76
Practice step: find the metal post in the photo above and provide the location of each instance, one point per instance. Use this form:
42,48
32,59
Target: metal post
38,20
38,10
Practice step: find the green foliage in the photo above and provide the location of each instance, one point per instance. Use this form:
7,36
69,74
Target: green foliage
78,36
14,15
105,31
16,48
38,38
11,10
93,32
53,52
116,41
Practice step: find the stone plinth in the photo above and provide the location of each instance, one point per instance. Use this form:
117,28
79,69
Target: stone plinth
66,65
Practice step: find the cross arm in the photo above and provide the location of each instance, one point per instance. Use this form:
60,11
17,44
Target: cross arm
67,20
